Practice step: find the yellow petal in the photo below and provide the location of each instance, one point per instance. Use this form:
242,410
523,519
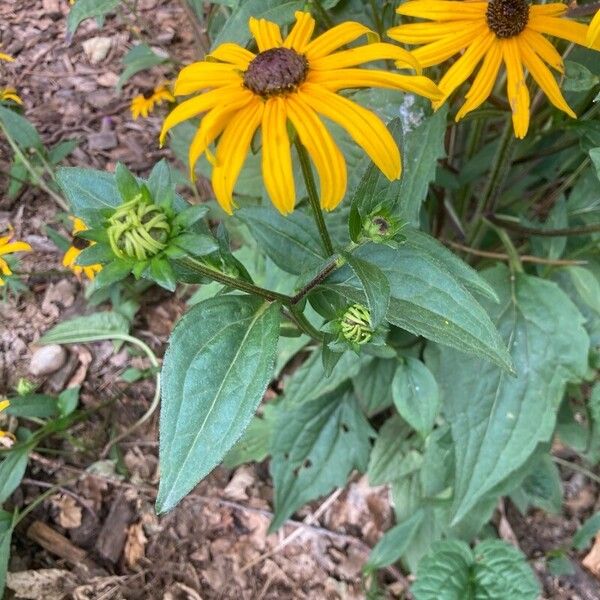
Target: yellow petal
358,78
210,127
544,78
202,103
70,256
335,38
234,54
277,168
423,33
4,404
15,247
4,268
560,28
232,150
484,81
266,34
365,128
324,152
202,75
437,52
593,34
546,51
548,10
357,56
462,69
6,57
518,94
439,10
301,32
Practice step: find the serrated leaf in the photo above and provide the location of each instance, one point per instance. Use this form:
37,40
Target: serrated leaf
140,57
85,329
416,395
291,242
215,371
490,412
394,543
315,446
427,300
86,9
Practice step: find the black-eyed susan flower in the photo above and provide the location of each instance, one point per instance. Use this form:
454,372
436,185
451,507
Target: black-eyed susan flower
143,105
9,247
290,80
492,33
593,34
9,93
78,244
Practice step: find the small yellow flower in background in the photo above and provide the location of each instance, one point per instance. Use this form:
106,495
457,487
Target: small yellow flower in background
4,404
6,57
9,93
494,32
74,251
144,104
8,247
593,34
293,79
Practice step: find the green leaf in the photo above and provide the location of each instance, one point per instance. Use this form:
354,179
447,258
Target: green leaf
6,531
416,395
127,183
578,78
315,446
115,271
587,286
86,329
291,242
373,385
215,371
140,57
95,254
427,300
20,129
375,285
33,405
495,570
68,400
541,488
394,543
197,244
61,151
490,412
236,28
595,156
586,532
86,9
162,273
89,192
12,469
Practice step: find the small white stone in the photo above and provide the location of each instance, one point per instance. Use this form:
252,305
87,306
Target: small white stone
97,48
47,359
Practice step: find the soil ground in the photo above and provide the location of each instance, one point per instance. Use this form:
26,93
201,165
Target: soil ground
99,538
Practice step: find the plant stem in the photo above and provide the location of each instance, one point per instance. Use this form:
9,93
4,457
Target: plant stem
313,197
318,279
303,323
576,467
322,14
567,231
377,19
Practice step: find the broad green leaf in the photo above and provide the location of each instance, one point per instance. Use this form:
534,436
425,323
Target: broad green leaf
394,543
375,285
87,328
586,532
427,300
89,192
291,242
12,469
315,446
140,57
587,285
215,371
578,78
20,129
373,385
416,395
85,9
236,28
541,488
491,412
33,405
6,530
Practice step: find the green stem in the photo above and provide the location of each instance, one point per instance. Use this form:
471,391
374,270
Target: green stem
495,182
576,467
322,14
35,176
377,19
318,279
313,197
304,324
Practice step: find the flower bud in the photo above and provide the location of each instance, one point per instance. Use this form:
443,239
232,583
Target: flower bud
356,326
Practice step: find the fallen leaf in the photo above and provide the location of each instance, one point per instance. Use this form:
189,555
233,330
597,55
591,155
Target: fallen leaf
592,560
135,544
69,511
43,584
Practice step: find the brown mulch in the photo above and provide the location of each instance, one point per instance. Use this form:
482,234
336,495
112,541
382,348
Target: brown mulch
99,537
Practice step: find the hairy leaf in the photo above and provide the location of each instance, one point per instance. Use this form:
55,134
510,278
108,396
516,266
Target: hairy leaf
86,329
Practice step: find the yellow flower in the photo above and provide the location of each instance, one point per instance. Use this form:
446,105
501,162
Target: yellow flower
6,57
9,93
494,32
73,252
593,34
143,105
291,79
8,247
4,404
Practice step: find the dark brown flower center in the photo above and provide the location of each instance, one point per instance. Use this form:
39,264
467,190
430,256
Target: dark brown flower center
80,243
507,18
276,71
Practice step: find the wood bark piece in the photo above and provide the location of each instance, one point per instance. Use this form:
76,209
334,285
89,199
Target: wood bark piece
56,544
114,531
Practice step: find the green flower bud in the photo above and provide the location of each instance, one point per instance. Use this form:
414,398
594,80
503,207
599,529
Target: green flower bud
24,386
380,226
356,326
138,229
